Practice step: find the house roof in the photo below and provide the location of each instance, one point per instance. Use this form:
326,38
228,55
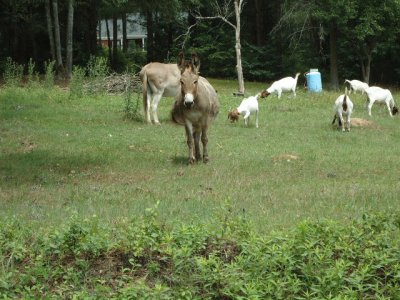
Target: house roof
134,27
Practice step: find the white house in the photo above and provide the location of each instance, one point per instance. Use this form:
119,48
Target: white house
136,33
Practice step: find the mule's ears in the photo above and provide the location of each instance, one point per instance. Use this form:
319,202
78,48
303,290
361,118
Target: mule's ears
195,62
181,60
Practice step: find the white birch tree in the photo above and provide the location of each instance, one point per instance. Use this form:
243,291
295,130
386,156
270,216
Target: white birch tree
224,13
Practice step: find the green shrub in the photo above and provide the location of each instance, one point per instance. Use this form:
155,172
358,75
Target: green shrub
13,72
131,103
147,260
33,76
76,85
136,58
49,74
97,67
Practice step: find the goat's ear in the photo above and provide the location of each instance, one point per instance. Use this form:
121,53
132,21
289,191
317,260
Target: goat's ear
195,62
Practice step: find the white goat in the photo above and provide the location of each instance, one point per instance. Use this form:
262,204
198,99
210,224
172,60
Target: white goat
343,106
380,95
247,107
286,84
357,85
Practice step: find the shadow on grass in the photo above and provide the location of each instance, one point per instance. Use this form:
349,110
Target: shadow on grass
42,167
180,160
184,161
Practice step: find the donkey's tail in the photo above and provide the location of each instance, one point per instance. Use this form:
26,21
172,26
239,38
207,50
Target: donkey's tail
143,78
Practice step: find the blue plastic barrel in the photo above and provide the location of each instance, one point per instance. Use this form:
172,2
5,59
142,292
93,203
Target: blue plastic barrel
314,83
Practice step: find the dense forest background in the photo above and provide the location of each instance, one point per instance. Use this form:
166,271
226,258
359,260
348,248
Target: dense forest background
353,39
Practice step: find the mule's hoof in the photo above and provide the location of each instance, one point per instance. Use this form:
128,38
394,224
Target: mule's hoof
191,161
205,159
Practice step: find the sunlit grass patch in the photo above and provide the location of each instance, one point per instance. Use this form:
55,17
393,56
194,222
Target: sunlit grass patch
61,155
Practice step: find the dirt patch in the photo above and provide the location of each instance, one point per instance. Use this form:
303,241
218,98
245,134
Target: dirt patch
226,250
358,122
285,156
28,146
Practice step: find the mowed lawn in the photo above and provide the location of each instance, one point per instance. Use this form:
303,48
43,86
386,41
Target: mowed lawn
64,156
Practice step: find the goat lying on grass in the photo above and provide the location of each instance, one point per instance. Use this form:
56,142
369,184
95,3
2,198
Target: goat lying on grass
380,95
247,107
343,106
286,84
357,85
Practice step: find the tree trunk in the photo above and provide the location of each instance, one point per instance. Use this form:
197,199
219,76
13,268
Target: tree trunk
366,64
70,26
14,35
333,57
109,43
150,36
366,68
124,34
100,37
57,40
91,34
238,47
115,42
50,29
362,67
260,36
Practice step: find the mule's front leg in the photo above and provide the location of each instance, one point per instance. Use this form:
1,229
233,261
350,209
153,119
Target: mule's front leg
189,136
196,137
204,140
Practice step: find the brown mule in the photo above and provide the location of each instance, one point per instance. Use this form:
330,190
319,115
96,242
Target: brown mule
195,107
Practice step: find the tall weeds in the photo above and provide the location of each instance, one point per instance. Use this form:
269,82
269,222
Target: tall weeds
49,74
76,84
13,73
33,76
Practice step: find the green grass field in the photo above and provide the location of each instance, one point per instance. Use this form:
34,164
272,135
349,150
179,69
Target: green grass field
62,156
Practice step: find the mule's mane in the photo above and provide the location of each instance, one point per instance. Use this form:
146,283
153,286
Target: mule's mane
187,65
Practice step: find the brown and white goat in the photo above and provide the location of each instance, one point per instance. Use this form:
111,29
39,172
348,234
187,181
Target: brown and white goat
343,107
247,107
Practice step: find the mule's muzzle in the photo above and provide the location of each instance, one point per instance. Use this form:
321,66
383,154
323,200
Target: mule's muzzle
188,101
395,110
188,104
